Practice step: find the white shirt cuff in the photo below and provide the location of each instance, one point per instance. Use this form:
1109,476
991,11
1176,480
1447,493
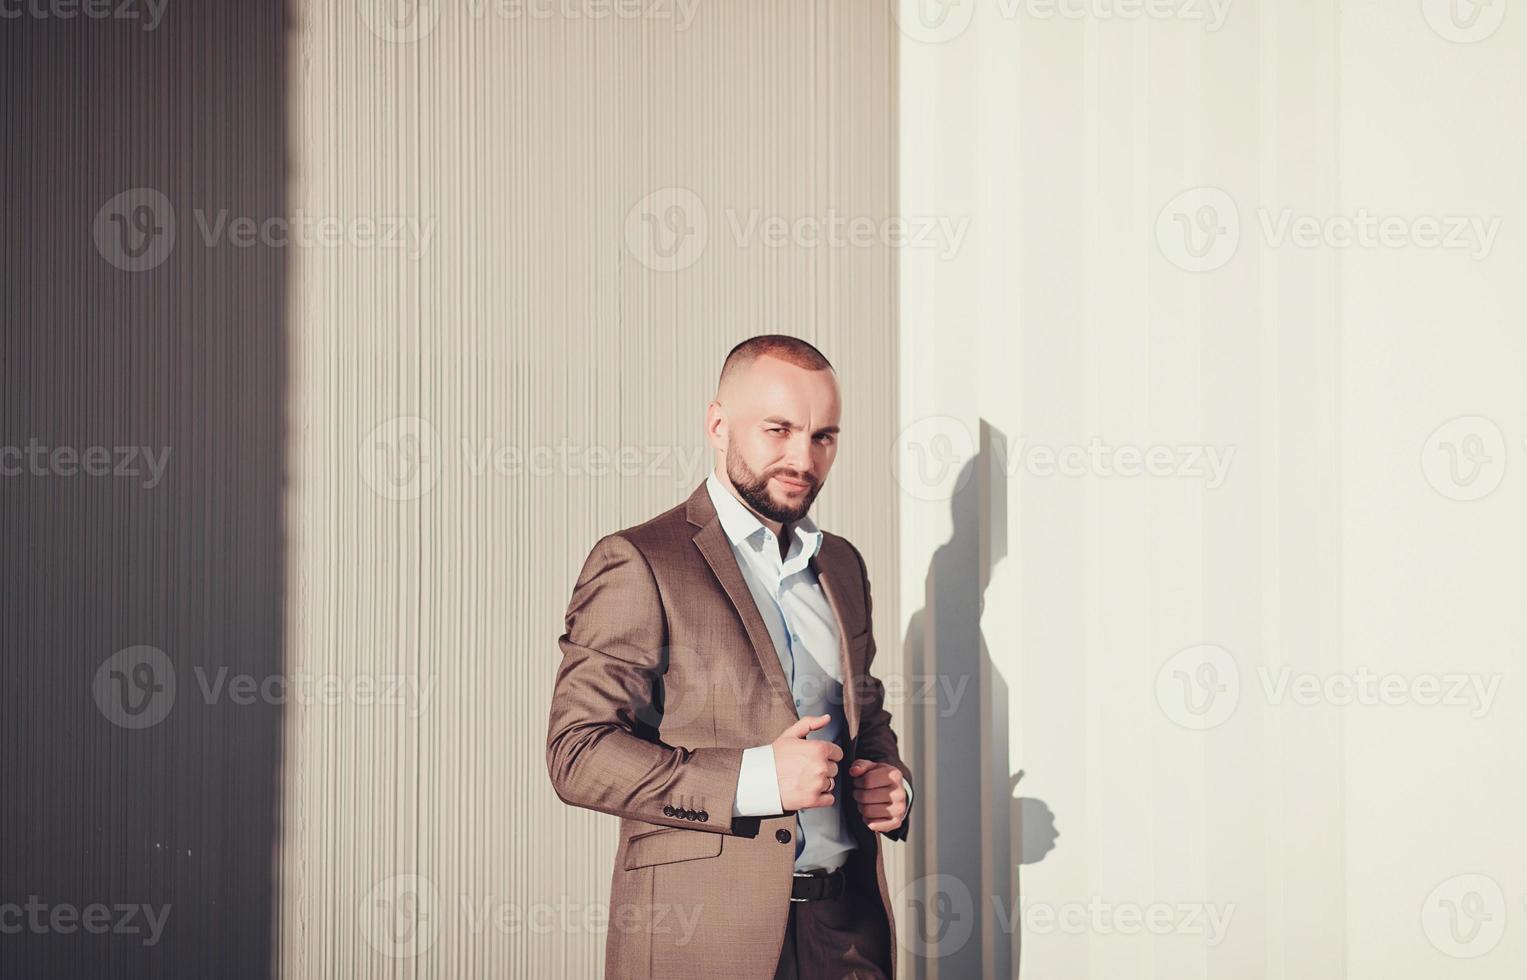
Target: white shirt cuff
757,784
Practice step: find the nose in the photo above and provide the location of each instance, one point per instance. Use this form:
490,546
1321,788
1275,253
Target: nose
798,456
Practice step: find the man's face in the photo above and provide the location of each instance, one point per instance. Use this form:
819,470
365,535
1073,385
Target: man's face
778,427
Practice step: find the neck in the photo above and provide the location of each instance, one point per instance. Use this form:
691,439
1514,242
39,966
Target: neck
773,525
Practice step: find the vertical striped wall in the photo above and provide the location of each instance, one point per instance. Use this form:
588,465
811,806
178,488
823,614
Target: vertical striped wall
143,373
469,415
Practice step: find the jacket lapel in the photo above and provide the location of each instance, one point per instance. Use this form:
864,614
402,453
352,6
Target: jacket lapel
711,539
828,565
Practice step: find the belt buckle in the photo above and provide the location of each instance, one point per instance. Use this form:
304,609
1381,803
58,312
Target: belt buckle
823,875
802,874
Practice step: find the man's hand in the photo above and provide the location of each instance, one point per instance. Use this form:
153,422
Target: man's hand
807,769
880,794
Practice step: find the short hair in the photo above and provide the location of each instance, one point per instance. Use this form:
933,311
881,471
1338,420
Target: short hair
792,350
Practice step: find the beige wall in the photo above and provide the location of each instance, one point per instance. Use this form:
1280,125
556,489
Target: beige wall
540,154
1142,625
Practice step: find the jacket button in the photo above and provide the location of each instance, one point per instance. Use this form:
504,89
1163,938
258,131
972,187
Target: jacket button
667,811
783,836
702,816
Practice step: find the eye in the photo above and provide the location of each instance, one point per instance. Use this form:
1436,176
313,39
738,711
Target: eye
825,438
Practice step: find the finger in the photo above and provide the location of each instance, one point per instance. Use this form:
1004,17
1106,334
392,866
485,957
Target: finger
834,752
860,767
881,775
880,795
808,724
884,826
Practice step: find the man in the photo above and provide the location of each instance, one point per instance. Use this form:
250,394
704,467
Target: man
692,641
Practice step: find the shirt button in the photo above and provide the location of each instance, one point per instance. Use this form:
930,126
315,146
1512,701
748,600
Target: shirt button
783,836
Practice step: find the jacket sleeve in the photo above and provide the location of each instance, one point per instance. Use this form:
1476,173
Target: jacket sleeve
877,740
602,749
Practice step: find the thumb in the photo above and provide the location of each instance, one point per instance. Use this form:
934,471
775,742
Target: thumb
860,767
810,723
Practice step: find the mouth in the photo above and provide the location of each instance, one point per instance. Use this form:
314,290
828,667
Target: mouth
792,486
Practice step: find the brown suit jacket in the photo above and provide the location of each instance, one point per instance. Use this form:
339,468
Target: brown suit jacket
667,674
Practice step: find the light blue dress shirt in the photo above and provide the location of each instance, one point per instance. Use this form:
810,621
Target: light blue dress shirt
805,635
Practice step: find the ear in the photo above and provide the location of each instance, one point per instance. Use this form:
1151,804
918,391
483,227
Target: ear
716,431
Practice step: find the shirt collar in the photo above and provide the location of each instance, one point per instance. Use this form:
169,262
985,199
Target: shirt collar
741,524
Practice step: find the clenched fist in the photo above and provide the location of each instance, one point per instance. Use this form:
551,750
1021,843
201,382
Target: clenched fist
881,796
807,769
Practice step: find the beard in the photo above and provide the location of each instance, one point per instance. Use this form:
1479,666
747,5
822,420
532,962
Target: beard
754,490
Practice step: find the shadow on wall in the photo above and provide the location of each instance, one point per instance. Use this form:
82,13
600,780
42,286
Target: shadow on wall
142,392
960,917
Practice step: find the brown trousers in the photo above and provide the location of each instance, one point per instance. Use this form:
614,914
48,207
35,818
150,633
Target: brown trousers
838,938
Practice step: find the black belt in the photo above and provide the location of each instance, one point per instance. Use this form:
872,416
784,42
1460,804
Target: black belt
812,886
